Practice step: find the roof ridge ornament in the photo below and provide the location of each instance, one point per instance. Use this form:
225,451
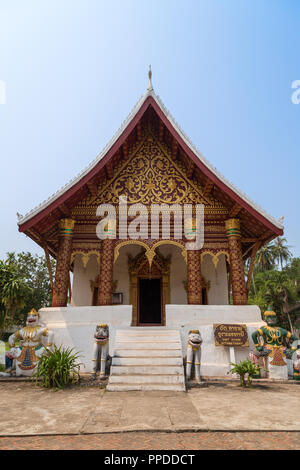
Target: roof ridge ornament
150,86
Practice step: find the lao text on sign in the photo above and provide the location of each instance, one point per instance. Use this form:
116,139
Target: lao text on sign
230,335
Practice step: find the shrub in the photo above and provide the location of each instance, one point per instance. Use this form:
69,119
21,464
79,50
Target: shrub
244,368
58,368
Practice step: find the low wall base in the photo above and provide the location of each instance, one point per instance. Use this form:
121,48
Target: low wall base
214,359
74,327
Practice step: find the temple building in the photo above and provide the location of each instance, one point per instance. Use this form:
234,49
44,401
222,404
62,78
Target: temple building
149,161
123,228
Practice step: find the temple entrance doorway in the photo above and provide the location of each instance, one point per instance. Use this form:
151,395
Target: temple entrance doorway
149,288
149,301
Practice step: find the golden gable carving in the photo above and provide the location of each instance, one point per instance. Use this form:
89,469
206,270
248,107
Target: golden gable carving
150,176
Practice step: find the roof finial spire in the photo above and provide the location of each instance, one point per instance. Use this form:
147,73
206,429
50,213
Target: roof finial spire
150,87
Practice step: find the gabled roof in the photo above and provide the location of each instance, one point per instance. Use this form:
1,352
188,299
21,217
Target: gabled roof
148,99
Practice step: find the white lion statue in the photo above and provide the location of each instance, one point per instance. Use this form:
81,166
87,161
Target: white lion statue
193,354
101,349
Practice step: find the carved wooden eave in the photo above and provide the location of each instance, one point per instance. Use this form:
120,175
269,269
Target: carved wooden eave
40,223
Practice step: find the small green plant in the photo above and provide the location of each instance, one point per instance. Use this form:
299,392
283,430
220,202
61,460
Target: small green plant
244,368
58,368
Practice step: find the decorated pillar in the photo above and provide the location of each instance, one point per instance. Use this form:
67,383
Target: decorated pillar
237,275
105,289
60,292
194,285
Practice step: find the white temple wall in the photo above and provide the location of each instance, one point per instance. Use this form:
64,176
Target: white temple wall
82,277
178,274
218,291
121,270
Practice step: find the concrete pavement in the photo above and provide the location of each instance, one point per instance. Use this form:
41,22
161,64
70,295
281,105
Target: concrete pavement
219,406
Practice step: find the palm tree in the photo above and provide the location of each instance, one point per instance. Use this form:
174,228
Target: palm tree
264,258
281,250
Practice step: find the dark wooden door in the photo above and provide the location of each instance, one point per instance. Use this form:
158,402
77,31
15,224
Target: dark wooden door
150,301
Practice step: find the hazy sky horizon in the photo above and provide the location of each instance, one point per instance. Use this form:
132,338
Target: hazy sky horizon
73,70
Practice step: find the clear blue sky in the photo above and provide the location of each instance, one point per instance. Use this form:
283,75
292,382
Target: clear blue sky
73,70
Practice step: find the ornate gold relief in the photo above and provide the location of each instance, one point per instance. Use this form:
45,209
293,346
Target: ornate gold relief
151,176
85,256
215,256
150,251
128,242
172,242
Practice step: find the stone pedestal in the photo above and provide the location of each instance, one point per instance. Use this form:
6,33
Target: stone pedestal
277,372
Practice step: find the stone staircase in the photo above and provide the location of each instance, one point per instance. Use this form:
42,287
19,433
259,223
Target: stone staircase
147,358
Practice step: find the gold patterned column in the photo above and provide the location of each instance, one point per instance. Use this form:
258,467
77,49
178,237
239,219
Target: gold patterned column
233,231
60,292
105,290
194,286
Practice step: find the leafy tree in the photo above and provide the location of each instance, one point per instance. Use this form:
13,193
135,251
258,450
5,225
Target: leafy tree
13,292
33,270
258,299
293,271
275,288
276,280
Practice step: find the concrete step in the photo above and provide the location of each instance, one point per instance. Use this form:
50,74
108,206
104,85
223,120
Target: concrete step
146,369
130,352
147,359
164,336
146,330
147,345
144,378
151,360
147,339
117,387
